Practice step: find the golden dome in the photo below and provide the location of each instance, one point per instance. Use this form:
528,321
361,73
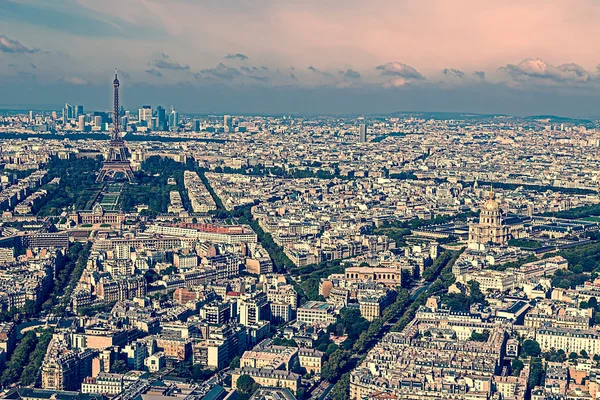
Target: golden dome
491,204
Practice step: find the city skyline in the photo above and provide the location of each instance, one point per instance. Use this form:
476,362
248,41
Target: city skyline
305,57
299,200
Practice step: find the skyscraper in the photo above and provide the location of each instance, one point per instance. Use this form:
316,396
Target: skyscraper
173,119
78,111
81,123
98,121
161,117
67,112
196,125
226,122
124,122
145,115
362,133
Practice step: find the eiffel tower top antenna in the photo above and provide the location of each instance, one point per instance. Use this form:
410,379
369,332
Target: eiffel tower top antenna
116,134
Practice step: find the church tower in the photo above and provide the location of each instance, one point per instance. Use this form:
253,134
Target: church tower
490,228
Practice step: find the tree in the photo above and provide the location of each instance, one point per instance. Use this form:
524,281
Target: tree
517,366
199,374
119,367
584,354
480,337
536,373
341,390
555,356
530,348
245,384
19,359
336,365
235,363
30,308
475,293
331,348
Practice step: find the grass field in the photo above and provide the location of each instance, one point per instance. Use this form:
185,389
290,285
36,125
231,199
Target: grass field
109,198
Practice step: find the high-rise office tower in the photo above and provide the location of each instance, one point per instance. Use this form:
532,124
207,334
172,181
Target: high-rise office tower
145,115
67,112
30,116
362,133
226,122
124,122
196,125
173,119
98,120
78,111
161,117
81,123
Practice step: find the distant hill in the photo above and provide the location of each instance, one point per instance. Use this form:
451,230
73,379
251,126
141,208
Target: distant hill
446,115
559,120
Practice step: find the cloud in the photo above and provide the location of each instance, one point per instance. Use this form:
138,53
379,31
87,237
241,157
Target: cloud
32,65
455,73
73,80
259,78
400,74
166,63
236,56
153,71
350,74
538,70
221,71
479,75
318,71
8,45
251,72
249,69
399,69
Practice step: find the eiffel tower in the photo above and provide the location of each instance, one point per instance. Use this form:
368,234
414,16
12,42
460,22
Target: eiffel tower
116,163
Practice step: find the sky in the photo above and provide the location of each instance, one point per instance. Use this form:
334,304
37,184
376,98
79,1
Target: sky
518,57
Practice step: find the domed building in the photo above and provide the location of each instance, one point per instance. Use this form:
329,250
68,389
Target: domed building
490,228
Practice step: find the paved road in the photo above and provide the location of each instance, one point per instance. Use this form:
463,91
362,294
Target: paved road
419,290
